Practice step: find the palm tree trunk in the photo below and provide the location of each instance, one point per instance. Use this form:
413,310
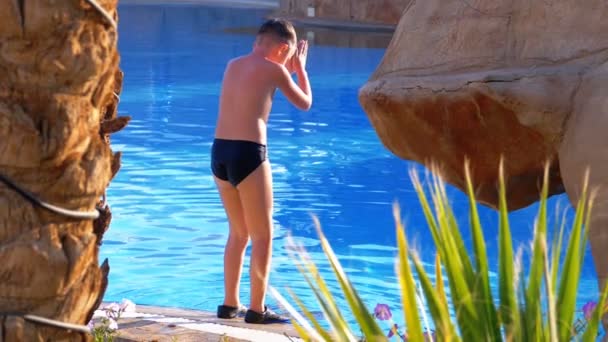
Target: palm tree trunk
59,85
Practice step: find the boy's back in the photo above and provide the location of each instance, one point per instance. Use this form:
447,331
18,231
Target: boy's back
246,99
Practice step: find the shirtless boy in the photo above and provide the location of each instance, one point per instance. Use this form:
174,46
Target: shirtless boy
239,160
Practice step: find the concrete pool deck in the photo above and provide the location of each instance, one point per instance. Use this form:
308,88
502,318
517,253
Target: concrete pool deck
162,324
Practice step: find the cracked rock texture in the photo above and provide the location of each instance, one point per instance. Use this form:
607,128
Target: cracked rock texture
58,84
485,79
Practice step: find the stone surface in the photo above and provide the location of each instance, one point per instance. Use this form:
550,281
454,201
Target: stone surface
486,79
361,11
169,329
585,147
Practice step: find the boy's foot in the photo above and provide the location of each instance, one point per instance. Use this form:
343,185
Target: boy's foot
225,311
267,317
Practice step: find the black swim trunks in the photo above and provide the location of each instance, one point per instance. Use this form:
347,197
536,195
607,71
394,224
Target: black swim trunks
234,160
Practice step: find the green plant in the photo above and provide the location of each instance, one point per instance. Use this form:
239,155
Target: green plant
104,332
537,306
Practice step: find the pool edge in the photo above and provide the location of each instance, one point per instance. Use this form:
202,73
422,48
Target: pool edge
169,323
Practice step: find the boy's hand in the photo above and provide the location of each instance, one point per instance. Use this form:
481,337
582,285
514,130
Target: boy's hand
298,60
290,65
299,94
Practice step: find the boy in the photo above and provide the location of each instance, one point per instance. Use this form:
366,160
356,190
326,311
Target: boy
239,161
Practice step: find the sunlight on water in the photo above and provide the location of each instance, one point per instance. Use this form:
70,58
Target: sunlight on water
166,240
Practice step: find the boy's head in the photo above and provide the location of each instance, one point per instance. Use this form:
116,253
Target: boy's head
280,37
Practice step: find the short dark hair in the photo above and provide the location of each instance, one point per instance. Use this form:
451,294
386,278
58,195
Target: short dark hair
280,28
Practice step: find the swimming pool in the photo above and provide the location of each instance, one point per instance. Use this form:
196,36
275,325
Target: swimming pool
165,244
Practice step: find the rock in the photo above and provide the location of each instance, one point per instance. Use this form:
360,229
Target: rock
484,80
585,147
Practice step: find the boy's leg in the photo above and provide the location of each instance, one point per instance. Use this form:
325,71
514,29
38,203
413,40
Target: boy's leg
237,242
255,192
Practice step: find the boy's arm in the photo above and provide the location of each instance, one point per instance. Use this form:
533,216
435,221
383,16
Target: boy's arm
299,94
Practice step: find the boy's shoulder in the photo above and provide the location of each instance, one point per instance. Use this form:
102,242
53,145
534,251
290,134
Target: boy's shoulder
260,64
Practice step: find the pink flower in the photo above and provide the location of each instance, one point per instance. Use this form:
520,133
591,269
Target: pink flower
588,309
382,312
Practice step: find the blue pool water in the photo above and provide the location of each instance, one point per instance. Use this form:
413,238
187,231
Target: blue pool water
166,241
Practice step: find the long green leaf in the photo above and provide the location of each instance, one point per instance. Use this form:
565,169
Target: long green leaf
317,326
366,321
428,212
533,292
509,311
462,299
556,251
331,312
484,298
304,329
551,325
437,304
325,298
448,223
566,300
406,281
458,267
305,334
440,285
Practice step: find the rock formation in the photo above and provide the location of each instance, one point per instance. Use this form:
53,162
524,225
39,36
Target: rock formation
485,79
58,94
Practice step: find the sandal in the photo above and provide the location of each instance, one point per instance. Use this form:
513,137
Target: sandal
227,312
267,317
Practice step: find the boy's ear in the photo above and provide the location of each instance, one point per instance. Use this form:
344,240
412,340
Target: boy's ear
284,48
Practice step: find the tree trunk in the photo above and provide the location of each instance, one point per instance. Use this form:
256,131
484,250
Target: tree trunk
59,85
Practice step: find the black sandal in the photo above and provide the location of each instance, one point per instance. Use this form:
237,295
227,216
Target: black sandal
267,317
227,312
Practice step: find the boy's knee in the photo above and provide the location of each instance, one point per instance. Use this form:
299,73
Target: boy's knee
239,239
262,231
261,239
